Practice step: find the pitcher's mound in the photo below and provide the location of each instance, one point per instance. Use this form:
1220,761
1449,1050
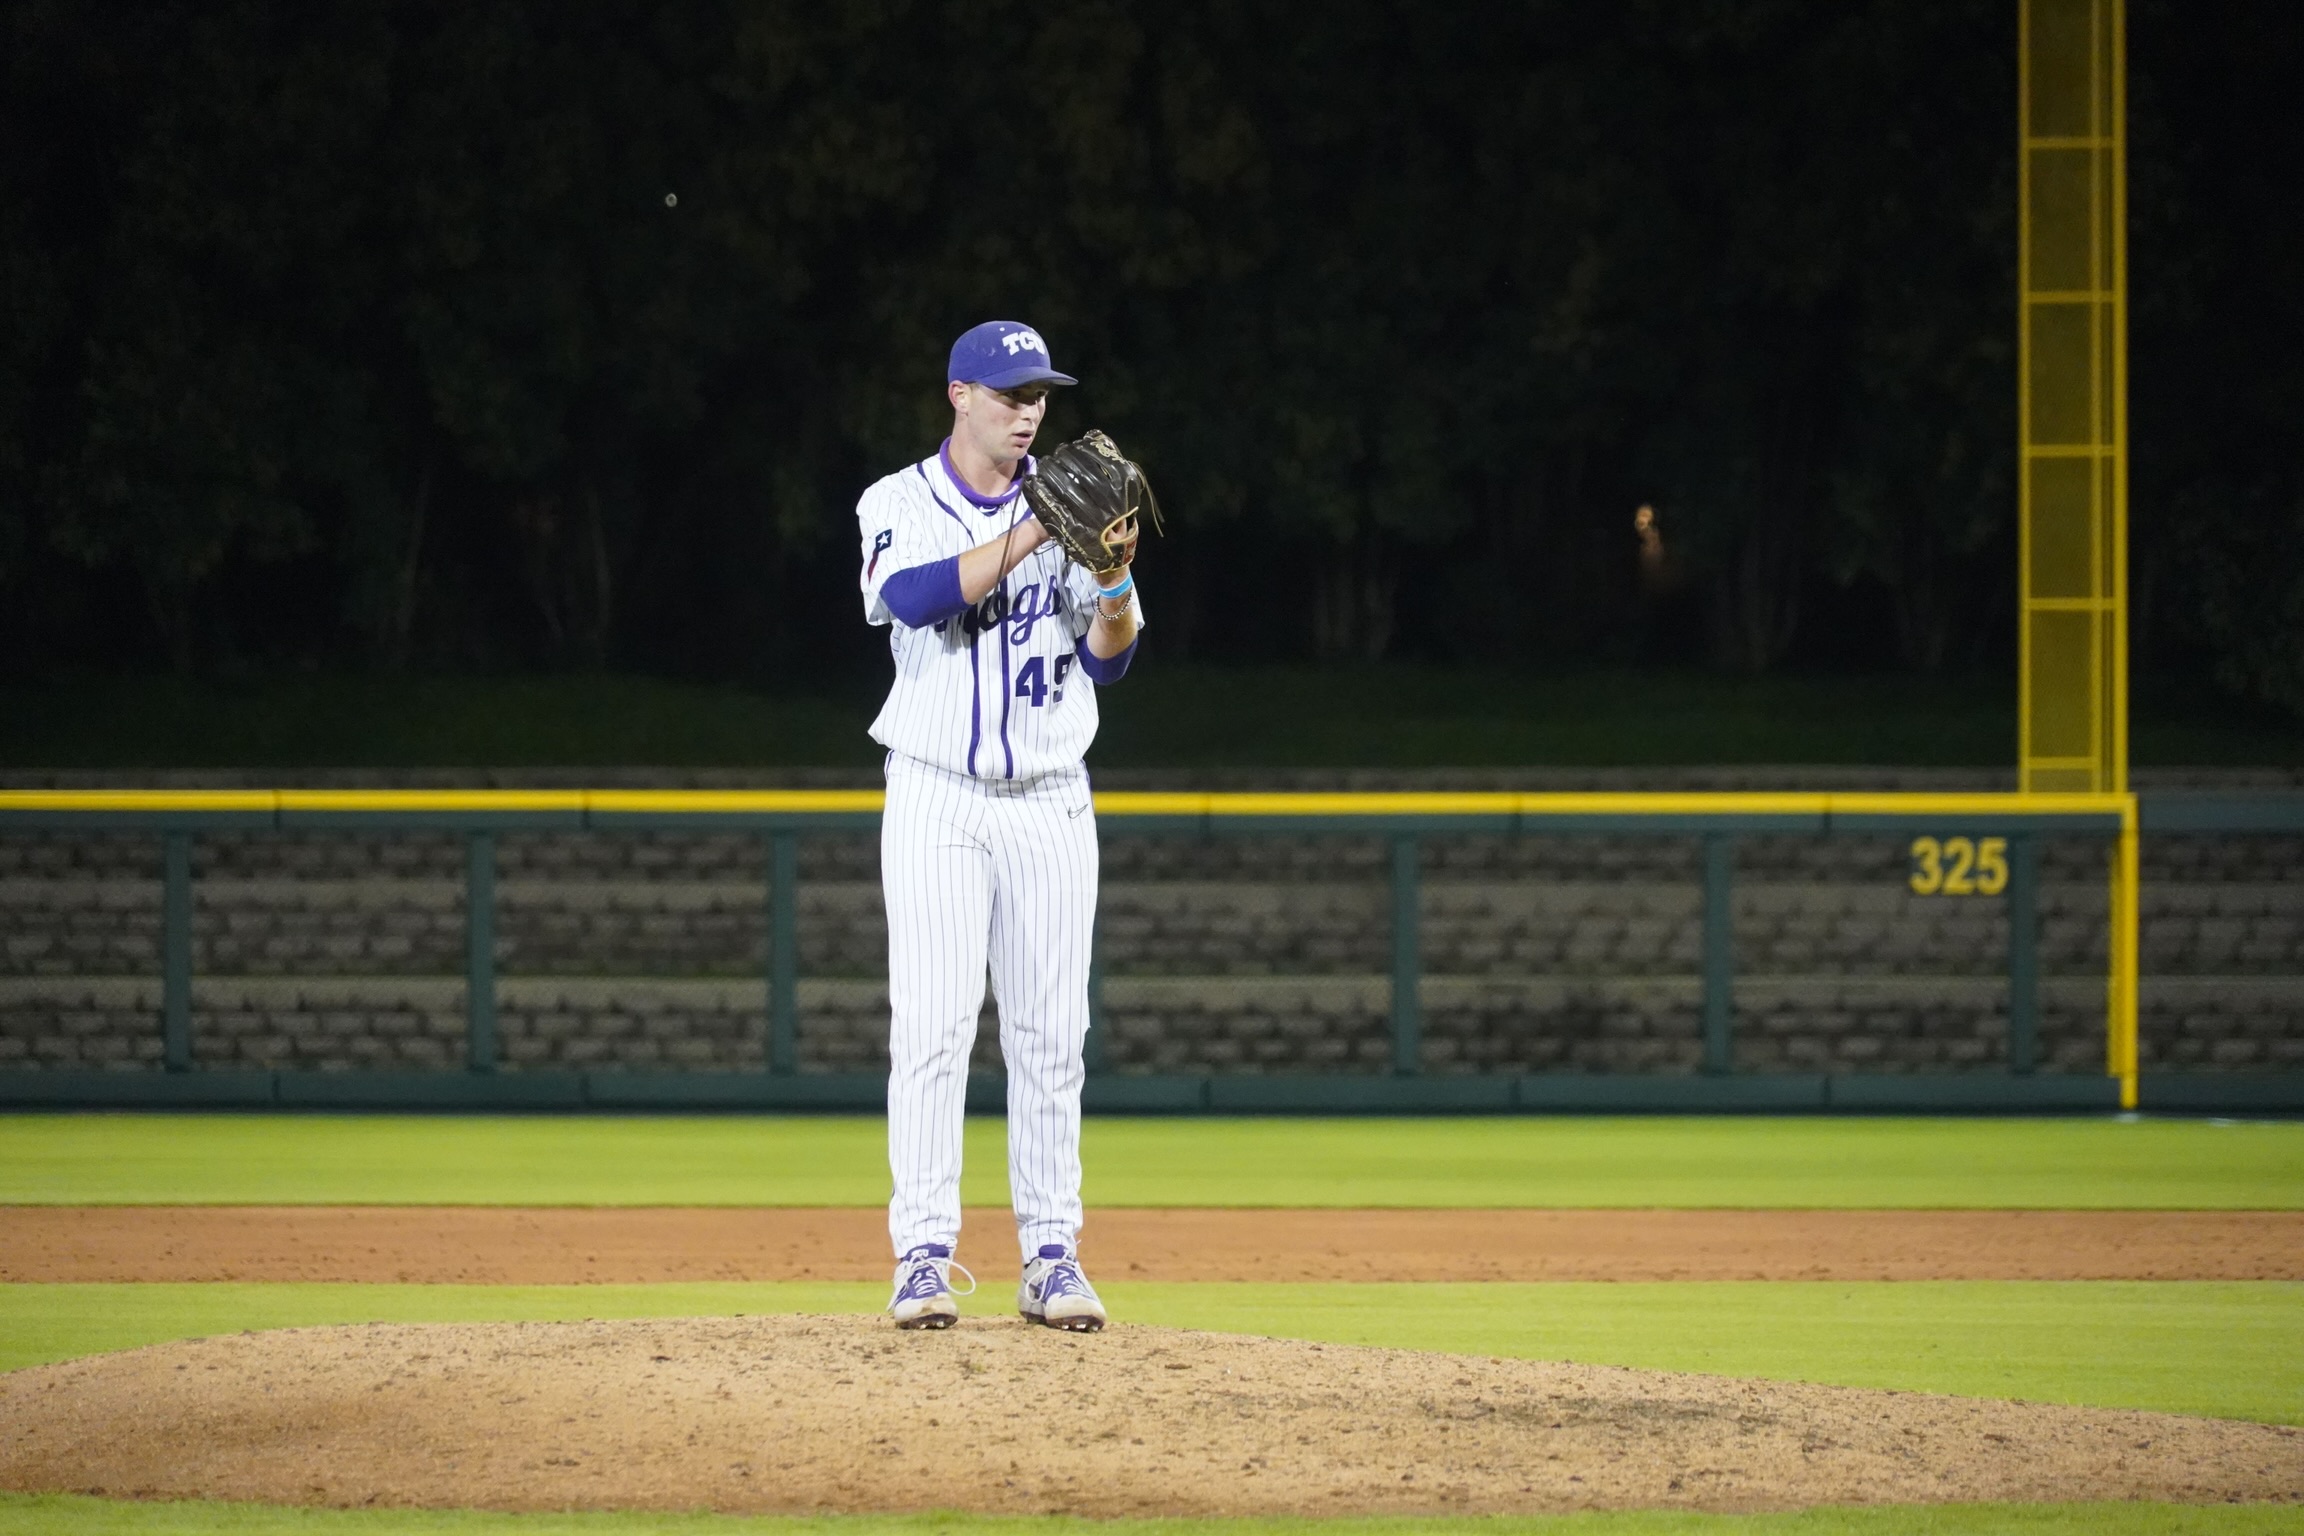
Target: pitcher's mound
846,1413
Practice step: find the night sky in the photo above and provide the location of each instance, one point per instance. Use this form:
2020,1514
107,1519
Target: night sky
497,336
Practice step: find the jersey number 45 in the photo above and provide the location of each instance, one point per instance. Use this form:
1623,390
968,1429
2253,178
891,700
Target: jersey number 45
1033,681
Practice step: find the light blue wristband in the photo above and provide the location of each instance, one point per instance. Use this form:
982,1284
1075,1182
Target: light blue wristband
1127,585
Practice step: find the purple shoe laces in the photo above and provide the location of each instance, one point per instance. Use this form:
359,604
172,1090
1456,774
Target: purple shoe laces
926,1273
1062,1277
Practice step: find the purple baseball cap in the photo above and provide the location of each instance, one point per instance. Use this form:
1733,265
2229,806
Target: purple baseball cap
1002,354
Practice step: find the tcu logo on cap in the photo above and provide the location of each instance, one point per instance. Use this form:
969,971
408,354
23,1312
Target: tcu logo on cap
1025,340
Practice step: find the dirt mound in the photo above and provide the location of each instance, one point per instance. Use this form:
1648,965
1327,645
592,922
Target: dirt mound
846,1414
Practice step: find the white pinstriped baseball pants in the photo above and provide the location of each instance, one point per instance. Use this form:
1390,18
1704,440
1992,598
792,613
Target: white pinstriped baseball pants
979,872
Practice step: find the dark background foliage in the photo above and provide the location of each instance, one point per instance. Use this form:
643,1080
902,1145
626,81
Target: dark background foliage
502,334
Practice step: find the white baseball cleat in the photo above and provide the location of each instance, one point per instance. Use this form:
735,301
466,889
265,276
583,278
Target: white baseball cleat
924,1297
1055,1292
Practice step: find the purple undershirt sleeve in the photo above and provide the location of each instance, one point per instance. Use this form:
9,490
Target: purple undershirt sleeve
1103,669
924,594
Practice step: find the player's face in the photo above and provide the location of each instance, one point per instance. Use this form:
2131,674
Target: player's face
1002,422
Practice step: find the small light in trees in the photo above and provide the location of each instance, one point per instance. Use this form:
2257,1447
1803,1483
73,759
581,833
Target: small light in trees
1657,573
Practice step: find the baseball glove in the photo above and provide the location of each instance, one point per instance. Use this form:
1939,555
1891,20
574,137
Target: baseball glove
1087,496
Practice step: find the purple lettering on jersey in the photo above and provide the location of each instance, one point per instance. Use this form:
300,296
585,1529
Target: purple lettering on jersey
985,614
1032,605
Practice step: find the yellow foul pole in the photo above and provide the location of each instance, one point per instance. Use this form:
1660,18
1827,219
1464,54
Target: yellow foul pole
2072,414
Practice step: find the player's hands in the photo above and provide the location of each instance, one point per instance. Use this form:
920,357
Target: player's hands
1089,496
1126,547
1022,539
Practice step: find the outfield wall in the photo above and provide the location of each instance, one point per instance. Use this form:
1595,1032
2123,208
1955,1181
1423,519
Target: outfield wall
643,951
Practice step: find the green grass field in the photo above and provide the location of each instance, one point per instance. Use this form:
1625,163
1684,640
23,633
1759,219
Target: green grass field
1725,1162
2219,1349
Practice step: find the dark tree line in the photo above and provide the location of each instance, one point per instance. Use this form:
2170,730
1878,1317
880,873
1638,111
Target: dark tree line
505,333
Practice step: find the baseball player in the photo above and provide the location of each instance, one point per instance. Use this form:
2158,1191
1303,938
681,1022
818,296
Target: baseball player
988,843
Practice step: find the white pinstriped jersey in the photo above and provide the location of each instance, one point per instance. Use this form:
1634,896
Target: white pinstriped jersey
997,691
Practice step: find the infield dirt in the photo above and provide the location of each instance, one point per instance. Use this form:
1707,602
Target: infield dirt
559,1245
847,1414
